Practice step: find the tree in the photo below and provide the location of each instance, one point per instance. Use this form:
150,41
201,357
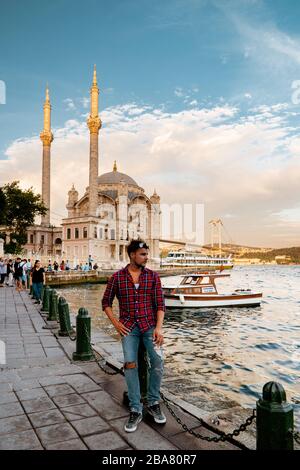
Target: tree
18,209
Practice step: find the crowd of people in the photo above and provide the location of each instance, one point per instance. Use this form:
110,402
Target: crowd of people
66,266
21,273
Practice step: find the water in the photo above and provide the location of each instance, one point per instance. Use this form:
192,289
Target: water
227,354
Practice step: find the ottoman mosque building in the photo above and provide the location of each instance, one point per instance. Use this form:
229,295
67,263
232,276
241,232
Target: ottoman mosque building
101,222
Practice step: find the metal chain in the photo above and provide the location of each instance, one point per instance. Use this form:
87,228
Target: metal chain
72,338
223,436
96,360
295,434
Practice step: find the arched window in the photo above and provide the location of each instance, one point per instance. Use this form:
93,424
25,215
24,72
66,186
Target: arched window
76,233
68,233
85,233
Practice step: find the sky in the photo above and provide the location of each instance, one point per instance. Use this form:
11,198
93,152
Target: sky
199,99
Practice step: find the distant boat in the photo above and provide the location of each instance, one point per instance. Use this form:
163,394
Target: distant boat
199,290
191,259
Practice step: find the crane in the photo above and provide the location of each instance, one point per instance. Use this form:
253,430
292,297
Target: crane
216,225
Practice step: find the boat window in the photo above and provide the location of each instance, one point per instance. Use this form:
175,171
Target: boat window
205,280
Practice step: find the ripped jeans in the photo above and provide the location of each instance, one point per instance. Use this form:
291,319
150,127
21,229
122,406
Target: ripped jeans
130,344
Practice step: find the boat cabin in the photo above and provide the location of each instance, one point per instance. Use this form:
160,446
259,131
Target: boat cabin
197,283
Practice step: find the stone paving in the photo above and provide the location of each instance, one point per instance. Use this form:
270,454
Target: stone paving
49,402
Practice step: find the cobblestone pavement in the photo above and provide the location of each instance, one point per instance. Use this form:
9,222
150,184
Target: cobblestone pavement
49,402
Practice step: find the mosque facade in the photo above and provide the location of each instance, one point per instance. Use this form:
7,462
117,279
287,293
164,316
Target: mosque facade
113,210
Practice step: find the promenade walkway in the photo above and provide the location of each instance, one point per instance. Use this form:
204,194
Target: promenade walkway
49,402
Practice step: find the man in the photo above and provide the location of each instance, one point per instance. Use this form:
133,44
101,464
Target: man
10,273
18,273
142,308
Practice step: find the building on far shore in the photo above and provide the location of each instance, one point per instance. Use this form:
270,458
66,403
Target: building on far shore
99,224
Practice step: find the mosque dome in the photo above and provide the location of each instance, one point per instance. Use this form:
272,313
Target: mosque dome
115,177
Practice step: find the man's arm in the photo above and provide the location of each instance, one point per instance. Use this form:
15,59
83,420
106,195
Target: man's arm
107,302
158,337
117,324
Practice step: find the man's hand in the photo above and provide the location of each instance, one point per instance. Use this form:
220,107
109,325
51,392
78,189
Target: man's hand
121,329
158,336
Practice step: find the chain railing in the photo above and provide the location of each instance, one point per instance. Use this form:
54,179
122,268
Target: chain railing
104,369
296,435
273,395
223,437
72,338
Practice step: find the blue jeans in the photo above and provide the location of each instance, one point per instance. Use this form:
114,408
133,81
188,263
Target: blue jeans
130,344
37,290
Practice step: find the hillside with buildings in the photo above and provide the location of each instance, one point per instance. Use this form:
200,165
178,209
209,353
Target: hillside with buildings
249,255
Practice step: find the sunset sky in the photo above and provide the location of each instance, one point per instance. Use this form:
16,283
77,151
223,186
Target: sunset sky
199,99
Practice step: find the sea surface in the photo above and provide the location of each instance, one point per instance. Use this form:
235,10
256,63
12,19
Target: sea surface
226,354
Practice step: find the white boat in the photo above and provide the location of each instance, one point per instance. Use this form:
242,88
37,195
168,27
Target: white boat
199,290
192,259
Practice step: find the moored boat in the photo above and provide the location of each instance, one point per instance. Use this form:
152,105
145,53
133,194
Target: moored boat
198,290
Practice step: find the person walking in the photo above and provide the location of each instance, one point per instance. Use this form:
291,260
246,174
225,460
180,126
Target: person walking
141,307
18,273
38,279
10,273
3,271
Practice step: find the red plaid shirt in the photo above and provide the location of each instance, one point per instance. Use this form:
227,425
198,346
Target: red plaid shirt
137,306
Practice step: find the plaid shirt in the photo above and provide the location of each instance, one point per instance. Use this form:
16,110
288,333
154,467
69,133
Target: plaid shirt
137,306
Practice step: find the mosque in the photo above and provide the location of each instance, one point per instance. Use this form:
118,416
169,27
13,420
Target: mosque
113,210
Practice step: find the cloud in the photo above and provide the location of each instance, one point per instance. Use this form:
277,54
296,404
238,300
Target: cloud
178,92
70,104
85,102
246,165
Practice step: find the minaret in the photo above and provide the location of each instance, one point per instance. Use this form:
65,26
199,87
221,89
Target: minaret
46,137
94,124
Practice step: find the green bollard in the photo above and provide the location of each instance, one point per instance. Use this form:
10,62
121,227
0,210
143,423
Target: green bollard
274,419
64,318
53,306
46,299
83,334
